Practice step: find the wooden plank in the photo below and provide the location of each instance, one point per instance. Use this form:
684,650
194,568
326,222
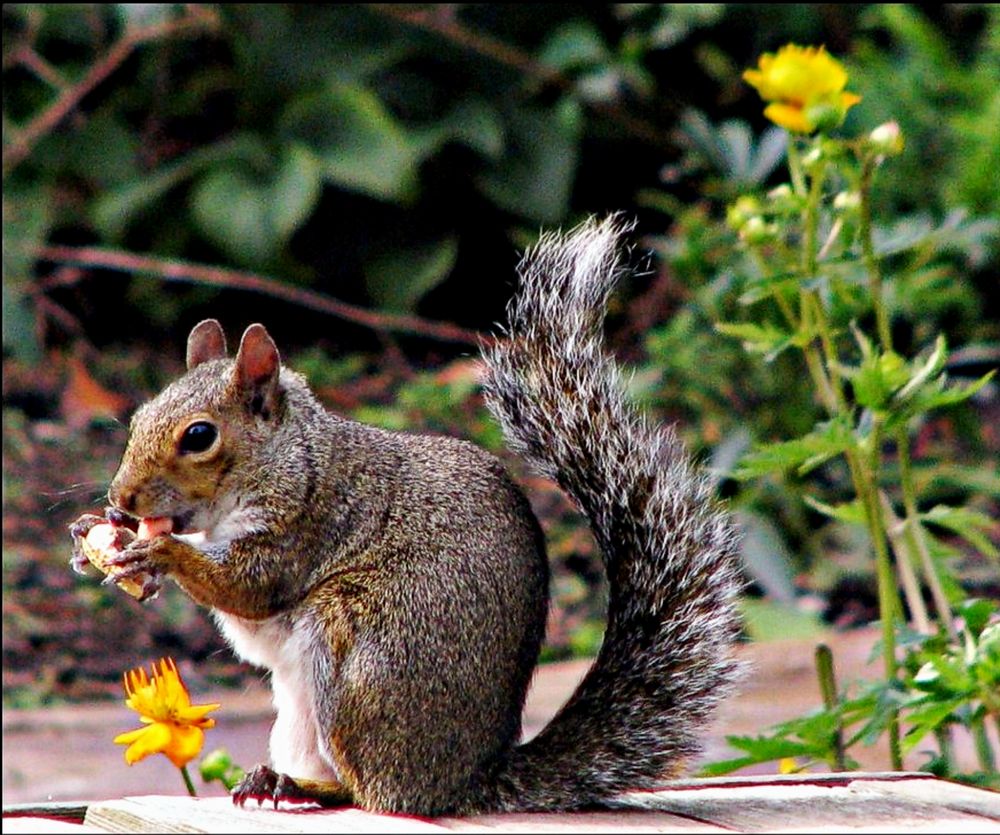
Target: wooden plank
855,802
46,826
955,796
833,802
219,815
565,822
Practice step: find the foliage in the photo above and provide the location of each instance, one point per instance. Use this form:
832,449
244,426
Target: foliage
397,151
814,279
944,685
946,98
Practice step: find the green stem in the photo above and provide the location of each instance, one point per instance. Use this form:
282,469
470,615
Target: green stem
984,750
811,222
943,735
828,689
795,166
914,533
888,599
897,530
889,605
868,254
187,781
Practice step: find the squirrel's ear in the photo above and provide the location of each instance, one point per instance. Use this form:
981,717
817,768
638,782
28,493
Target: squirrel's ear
256,370
206,342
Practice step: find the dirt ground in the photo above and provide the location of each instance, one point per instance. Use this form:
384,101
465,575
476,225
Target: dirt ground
66,753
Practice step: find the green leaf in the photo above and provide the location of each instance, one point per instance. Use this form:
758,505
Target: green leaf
926,718
397,280
231,209
764,748
972,525
888,700
294,192
27,215
878,376
806,453
976,612
250,216
931,367
385,417
944,676
104,151
984,479
473,122
112,212
905,234
574,45
770,151
534,177
766,339
939,396
360,145
852,512
767,287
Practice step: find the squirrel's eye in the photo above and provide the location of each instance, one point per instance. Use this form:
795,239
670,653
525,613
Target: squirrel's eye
198,437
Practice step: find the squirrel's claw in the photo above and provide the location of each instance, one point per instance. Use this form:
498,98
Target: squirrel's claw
78,530
78,560
81,527
120,519
263,784
133,560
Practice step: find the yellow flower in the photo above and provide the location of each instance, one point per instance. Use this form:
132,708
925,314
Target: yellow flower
805,86
173,726
787,765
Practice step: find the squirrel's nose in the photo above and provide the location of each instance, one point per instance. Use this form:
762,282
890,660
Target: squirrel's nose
120,498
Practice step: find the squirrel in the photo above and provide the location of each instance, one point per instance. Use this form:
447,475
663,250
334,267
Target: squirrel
396,585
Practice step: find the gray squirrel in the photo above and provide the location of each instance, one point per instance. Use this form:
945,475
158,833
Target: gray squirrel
396,585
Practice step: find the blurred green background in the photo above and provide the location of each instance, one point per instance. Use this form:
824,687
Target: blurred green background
397,158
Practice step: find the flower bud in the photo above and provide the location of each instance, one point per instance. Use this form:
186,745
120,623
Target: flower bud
847,201
741,211
757,231
215,765
825,114
783,199
812,158
887,139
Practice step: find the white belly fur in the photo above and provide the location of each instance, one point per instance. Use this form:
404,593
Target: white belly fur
298,748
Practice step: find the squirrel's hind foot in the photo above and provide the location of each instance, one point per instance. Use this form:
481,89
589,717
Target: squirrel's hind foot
265,784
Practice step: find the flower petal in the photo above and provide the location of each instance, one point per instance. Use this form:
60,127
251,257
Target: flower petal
152,739
788,117
195,715
185,743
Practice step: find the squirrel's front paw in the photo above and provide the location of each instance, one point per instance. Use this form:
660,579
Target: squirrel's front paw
263,784
79,530
139,562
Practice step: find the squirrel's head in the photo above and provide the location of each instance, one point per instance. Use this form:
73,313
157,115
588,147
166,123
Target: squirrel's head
191,449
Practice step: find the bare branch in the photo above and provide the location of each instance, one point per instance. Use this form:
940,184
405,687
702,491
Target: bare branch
440,20
24,140
185,271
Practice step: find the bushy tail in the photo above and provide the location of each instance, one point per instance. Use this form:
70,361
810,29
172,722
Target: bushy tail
668,549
